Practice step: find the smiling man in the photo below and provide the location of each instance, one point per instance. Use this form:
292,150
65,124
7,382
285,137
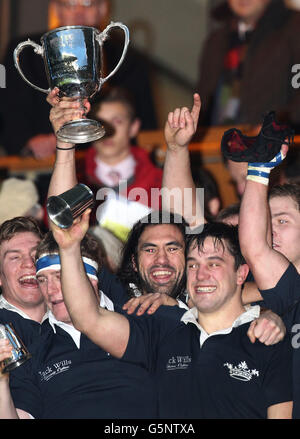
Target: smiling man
216,272
161,258
19,238
21,300
211,284
154,256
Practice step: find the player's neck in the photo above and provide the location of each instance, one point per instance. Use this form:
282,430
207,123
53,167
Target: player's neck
114,160
220,319
35,313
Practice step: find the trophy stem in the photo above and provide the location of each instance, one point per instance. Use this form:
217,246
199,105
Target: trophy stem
80,131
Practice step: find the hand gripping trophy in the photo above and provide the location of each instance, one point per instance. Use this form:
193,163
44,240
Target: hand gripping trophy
73,60
19,352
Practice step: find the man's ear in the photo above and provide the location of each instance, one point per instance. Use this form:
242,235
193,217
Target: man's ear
134,128
242,273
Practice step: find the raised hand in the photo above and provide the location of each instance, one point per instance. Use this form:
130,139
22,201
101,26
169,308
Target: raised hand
68,238
182,124
65,109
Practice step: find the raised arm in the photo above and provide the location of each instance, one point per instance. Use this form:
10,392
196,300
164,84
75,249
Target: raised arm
180,127
266,264
107,329
64,173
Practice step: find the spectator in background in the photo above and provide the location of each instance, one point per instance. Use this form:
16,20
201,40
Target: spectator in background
238,174
24,111
291,169
230,214
212,199
111,246
113,158
246,64
19,197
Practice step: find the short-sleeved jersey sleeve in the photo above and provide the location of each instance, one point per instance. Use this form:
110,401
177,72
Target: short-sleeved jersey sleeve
285,294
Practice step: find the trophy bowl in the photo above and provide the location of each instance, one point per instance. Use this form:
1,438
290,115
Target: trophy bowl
73,59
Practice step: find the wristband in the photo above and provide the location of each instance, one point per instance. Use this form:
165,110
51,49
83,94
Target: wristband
260,172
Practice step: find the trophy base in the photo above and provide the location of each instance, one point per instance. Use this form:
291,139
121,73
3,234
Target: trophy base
80,131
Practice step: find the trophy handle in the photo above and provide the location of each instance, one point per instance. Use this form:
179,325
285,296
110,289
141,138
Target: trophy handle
39,50
103,36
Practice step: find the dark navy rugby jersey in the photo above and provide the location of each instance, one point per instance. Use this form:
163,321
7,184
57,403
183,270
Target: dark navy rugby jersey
286,294
62,381
284,299
238,379
228,377
160,343
112,287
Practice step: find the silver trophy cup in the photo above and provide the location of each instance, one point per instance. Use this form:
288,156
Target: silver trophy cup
19,354
64,208
73,62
